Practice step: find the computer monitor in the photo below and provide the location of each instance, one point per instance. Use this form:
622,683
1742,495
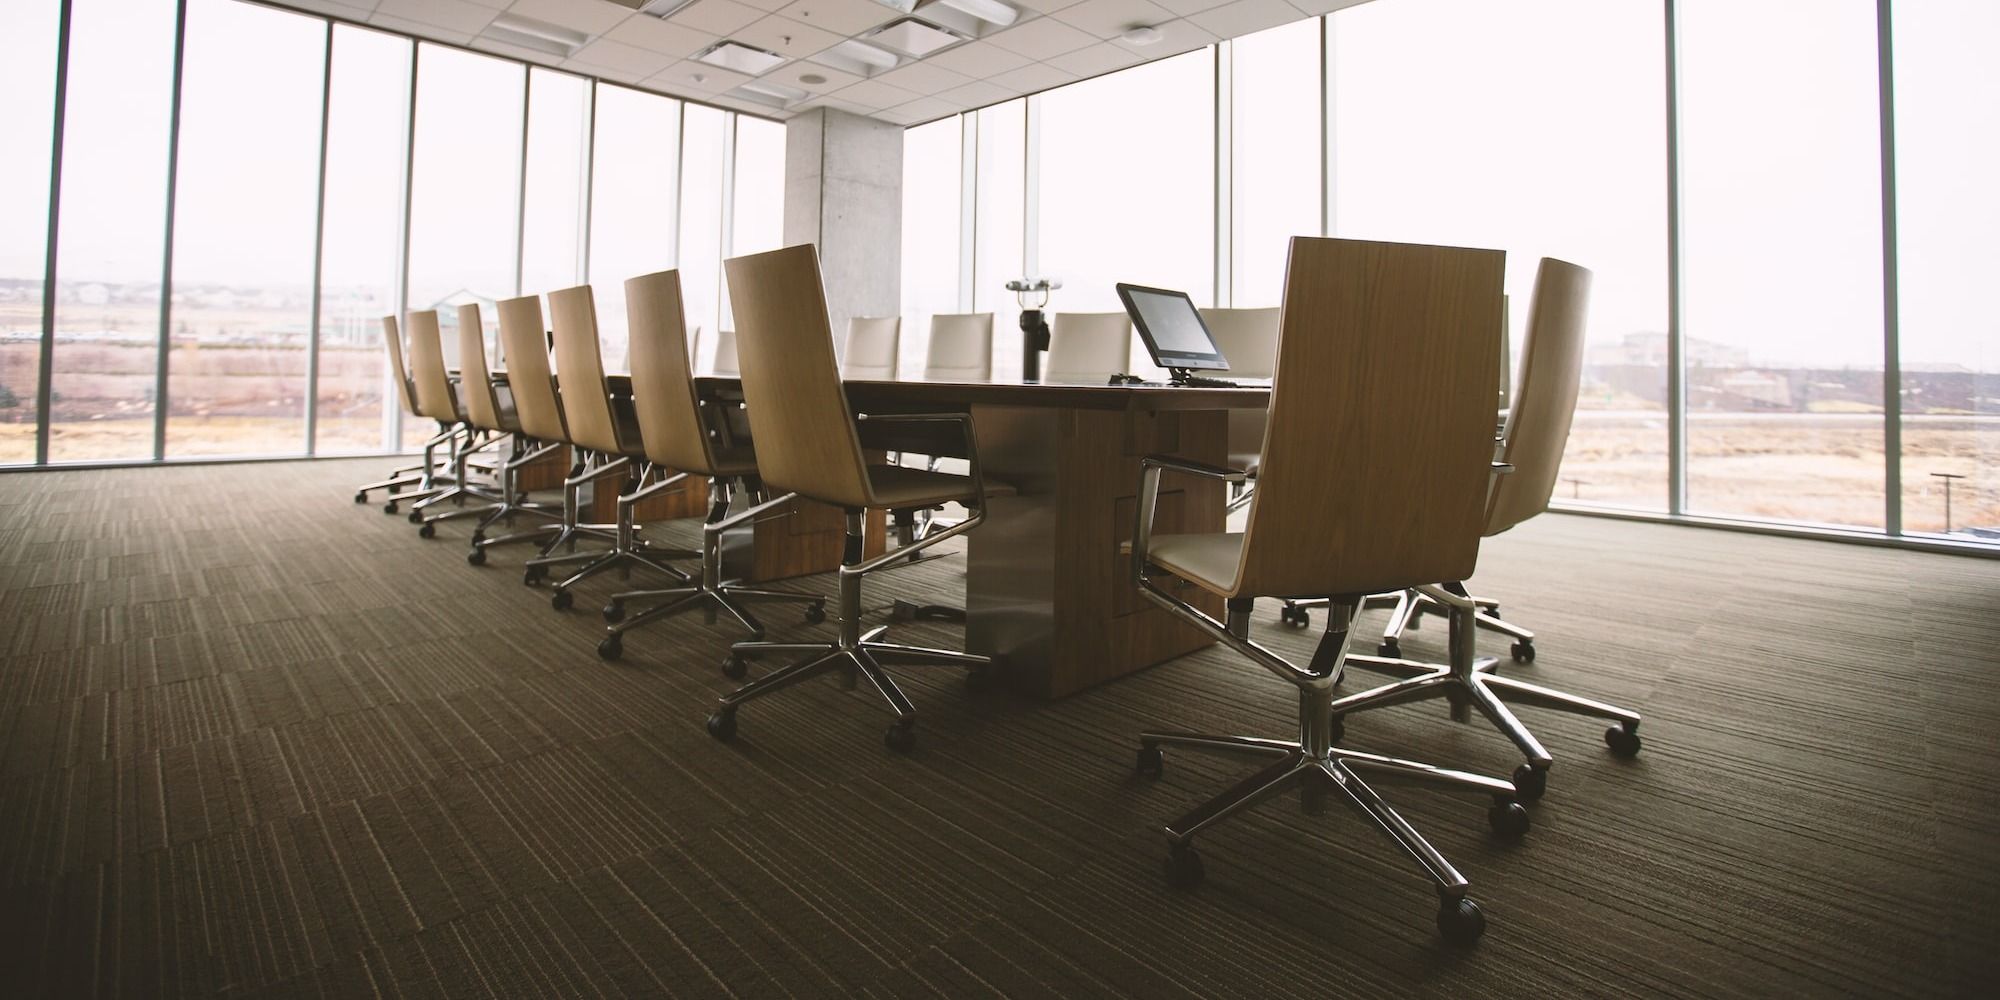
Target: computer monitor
1172,328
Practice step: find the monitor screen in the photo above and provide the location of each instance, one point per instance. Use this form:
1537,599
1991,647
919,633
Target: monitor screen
1172,328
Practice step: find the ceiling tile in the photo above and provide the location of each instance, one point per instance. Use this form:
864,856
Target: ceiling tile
1186,7
921,110
834,78
1031,78
842,17
513,51
767,5
836,104
1108,18
495,4
355,10
978,60
592,17
977,94
1175,37
717,17
655,35
876,94
1100,58
681,77
786,37
622,58
409,27
457,15
1043,6
1246,16
924,78
1325,6
1041,38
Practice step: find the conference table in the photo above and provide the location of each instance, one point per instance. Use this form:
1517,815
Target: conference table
1048,591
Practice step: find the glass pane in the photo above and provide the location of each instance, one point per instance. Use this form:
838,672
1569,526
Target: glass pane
1947,212
366,132
631,203
997,229
1441,136
1782,259
931,155
558,167
28,78
1274,167
465,191
757,212
112,231
1112,208
243,231
701,217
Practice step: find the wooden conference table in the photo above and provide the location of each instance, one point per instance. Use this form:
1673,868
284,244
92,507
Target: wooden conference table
1047,589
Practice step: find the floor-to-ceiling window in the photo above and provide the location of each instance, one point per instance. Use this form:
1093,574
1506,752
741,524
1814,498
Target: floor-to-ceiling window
111,240
633,224
1782,259
756,211
1274,173
999,227
556,191
240,324
931,175
704,157
28,33
1948,212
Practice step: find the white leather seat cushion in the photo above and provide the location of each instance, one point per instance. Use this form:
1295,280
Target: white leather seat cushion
1208,560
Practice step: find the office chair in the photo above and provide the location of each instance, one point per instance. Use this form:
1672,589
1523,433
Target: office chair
1088,347
807,446
961,348
675,426
872,342
1537,428
1248,339
438,400
424,477
608,440
532,389
492,412
1387,350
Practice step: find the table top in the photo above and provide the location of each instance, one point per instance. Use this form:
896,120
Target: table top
863,393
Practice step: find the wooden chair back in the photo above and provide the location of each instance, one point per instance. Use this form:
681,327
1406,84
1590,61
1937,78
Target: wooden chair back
1544,404
392,338
961,348
872,343
427,372
791,382
1380,446
1087,347
1248,339
475,382
663,392
586,397
529,381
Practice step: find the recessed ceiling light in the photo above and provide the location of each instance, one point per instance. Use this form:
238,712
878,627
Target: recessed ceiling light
1141,35
541,36
811,79
914,38
986,10
739,57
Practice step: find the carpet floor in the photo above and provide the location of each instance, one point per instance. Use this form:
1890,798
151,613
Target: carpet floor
256,740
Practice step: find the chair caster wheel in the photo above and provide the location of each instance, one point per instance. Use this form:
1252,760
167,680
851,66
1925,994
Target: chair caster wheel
1523,650
476,557
815,613
561,600
360,498
1622,741
389,508
1296,617
735,667
1460,921
478,537
722,724
416,517
427,531
615,611
901,737
1390,650
1530,782
611,647
1508,819
1183,867
1152,762
532,576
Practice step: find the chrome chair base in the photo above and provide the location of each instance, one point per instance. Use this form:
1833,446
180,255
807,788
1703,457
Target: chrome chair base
710,593
429,478
1409,607
514,502
853,652
1472,682
627,549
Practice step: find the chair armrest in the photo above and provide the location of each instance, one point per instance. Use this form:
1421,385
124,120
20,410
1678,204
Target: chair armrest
964,422
1502,468
1194,468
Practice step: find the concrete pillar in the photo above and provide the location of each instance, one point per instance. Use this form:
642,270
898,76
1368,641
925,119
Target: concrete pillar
844,192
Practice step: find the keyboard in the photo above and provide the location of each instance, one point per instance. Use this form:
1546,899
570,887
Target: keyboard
1206,383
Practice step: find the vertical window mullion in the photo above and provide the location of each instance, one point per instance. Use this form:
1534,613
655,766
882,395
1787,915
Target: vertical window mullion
167,244
1892,359
45,364
319,249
